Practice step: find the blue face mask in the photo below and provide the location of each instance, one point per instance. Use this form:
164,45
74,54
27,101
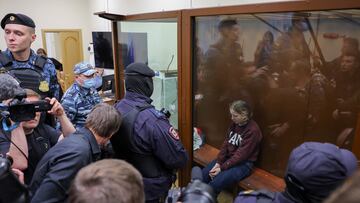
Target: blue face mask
89,83
98,81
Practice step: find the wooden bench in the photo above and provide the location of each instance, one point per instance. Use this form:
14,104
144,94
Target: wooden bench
259,179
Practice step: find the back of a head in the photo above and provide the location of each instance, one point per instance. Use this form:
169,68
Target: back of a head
349,192
104,119
316,169
107,181
227,23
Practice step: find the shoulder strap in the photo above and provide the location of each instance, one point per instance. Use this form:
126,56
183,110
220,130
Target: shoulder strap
40,61
5,61
126,129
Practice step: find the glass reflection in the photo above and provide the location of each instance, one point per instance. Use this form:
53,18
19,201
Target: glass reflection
297,70
139,42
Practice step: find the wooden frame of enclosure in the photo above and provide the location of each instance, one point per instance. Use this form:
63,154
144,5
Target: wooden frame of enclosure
185,20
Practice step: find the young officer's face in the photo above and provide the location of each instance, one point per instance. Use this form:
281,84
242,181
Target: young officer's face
18,37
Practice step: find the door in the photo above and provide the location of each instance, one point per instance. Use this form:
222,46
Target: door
65,46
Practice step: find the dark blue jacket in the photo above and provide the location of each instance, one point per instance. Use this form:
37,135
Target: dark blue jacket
263,196
58,167
153,134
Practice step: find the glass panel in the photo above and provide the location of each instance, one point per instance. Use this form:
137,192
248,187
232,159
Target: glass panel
154,43
298,71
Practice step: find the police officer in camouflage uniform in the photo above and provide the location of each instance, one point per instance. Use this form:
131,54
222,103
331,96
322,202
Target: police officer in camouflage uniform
314,170
19,34
146,139
82,96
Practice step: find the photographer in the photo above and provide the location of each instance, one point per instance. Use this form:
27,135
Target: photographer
9,88
11,189
40,137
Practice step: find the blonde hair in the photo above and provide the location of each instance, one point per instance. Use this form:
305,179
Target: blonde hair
107,181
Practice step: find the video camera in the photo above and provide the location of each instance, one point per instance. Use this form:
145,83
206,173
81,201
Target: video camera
20,110
11,189
195,191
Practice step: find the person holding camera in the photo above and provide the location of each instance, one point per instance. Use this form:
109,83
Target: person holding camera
58,167
40,137
238,152
9,89
20,59
146,138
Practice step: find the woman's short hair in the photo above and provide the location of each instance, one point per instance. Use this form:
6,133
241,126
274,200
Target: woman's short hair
107,181
240,106
104,119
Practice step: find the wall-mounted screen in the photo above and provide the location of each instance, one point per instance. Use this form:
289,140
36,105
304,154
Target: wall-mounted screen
103,49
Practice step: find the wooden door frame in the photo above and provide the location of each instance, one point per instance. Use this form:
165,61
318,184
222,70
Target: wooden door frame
44,31
185,20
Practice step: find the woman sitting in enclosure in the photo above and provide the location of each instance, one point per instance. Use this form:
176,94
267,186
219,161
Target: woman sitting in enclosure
238,152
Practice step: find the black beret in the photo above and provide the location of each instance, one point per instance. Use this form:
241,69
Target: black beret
21,19
139,69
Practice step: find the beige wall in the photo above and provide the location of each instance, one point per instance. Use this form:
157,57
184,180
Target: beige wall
78,14
51,14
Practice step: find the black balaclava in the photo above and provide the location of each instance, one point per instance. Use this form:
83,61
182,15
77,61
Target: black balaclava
138,79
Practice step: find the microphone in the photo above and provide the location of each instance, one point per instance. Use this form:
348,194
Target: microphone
196,173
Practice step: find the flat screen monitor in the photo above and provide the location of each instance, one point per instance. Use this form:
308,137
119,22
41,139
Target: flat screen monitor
103,50
108,83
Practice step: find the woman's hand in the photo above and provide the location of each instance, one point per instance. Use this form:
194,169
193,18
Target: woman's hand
215,170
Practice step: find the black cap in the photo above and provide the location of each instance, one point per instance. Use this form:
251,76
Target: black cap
317,164
139,69
21,19
9,87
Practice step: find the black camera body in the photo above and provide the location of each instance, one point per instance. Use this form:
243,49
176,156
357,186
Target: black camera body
20,110
195,191
25,111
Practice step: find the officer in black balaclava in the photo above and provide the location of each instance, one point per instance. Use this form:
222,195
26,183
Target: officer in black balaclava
146,139
138,79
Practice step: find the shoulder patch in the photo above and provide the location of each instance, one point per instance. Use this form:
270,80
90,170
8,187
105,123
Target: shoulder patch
173,133
156,113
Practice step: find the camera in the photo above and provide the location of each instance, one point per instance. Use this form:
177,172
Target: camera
195,191
20,110
11,188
